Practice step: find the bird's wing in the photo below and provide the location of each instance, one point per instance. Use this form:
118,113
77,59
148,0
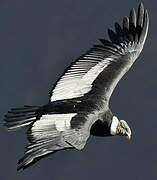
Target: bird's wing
52,133
96,73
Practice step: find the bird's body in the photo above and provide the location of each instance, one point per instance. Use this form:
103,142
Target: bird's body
79,101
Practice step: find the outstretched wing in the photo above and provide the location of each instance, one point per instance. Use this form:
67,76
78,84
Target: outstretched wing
96,73
54,132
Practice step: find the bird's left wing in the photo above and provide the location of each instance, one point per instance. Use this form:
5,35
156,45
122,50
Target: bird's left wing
95,74
55,132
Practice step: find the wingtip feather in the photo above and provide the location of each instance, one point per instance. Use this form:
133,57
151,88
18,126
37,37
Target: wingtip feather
118,29
145,26
126,23
140,15
132,18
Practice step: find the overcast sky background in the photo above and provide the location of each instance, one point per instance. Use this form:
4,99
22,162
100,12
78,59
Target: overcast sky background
38,39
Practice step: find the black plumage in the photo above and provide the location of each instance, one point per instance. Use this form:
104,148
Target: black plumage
79,100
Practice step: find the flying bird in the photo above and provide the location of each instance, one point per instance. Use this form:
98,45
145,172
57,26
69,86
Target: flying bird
79,100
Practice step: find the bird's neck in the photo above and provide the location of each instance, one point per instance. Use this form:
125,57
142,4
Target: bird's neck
102,126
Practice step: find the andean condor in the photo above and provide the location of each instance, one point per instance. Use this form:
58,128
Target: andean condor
79,101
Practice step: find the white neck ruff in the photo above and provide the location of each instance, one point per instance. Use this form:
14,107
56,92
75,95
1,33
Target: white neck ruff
114,125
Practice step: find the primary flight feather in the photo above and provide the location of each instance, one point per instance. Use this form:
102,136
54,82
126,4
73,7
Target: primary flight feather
79,101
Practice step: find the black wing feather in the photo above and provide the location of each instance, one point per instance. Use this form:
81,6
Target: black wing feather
119,30
113,36
140,15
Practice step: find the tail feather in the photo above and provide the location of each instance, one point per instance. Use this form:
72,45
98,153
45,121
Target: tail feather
20,117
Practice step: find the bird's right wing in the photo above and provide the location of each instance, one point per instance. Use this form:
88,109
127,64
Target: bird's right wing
94,75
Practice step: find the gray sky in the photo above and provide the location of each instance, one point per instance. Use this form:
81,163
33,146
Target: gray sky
38,39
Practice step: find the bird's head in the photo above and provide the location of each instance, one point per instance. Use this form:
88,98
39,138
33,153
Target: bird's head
120,128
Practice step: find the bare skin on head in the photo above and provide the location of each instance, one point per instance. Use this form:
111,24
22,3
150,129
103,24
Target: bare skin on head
120,128
123,129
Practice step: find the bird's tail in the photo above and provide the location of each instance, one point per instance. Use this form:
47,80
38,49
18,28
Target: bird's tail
20,117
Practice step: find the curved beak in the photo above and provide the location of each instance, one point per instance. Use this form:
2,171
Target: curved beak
128,133
128,136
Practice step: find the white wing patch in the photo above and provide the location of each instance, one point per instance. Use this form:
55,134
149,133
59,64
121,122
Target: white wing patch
78,80
59,121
